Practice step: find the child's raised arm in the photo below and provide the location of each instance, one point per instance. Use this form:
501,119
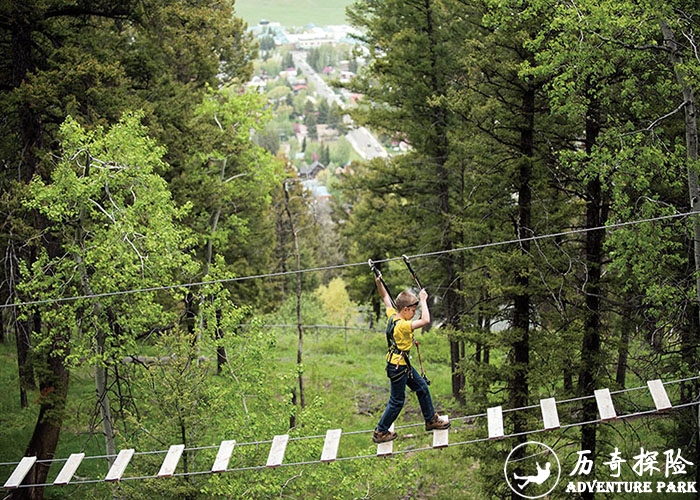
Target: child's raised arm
383,293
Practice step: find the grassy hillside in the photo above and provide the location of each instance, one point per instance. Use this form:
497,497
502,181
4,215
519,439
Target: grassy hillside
293,12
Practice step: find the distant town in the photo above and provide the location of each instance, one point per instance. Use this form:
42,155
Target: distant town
296,70
308,37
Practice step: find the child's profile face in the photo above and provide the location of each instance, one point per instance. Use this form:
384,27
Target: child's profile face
409,312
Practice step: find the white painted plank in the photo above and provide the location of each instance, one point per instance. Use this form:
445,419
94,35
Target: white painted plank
277,450
223,456
119,466
167,469
20,472
605,404
330,445
441,437
384,449
658,393
69,468
495,422
550,415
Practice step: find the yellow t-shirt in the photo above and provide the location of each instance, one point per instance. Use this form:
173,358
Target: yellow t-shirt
403,336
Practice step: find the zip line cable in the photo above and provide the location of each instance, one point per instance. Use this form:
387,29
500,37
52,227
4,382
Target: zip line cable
616,225
359,457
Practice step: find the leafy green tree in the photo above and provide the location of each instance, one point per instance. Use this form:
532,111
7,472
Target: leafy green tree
112,216
95,60
336,301
323,111
616,170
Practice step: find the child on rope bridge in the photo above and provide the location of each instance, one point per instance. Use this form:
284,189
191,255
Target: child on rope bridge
400,329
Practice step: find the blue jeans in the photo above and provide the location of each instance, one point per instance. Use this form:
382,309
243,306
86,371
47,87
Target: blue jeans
399,380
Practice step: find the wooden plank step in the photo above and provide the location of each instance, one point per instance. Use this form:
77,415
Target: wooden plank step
277,450
167,469
384,449
550,416
223,456
441,437
119,466
606,409
495,422
330,445
69,468
20,472
658,393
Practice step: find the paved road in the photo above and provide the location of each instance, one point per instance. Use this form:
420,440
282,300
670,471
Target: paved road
361,139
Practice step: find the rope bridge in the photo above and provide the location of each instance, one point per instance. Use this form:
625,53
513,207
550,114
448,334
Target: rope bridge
548,415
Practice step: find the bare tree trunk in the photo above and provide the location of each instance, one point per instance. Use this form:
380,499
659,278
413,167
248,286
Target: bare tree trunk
221,357
519,389
690,338
691,143
623,349
100,374
21,327
596,216
23,342
300,327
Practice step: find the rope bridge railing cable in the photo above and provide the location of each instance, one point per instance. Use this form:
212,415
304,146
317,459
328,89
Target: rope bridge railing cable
362,457
228,469
616,225
365,431
367,456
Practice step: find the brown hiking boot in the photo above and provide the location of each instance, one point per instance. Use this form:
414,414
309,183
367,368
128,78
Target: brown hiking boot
383,437
436,423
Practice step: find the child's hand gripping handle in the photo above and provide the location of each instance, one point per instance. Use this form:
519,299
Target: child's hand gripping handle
377,272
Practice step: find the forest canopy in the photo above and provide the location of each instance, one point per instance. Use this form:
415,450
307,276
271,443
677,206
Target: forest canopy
157,254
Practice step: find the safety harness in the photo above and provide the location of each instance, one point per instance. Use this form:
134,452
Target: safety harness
394,348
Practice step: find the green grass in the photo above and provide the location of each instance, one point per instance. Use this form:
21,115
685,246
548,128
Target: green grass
291,13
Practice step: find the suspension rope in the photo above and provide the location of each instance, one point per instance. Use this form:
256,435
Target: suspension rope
616,225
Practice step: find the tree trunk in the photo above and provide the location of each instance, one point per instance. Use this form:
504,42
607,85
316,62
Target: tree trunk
221,357
31,135
300,326
26,372
53,387
689,339
520,349
596,216
623,349
691,143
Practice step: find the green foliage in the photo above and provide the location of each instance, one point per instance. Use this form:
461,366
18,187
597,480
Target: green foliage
336,301
228,181
114,217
